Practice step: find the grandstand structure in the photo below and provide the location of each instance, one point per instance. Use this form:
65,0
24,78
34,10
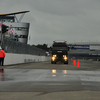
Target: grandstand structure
21,28
9,40
85,50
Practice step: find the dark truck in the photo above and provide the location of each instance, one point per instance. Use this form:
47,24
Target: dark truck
59,52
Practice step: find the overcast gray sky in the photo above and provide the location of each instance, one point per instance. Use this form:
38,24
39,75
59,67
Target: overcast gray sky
70,20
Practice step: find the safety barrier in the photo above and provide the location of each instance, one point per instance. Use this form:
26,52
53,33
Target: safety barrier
11,58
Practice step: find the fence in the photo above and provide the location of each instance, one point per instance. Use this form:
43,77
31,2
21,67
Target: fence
12,46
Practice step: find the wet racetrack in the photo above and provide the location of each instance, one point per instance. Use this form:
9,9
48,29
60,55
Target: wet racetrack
17,78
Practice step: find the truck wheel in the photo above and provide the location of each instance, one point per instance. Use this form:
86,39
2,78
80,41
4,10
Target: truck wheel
66,62
51,62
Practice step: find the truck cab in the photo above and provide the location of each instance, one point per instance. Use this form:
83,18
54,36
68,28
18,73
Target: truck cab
59,52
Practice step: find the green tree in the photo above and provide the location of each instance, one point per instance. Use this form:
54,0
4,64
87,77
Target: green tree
42,46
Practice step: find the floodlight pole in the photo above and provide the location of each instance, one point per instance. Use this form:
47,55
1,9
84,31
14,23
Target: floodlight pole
1,34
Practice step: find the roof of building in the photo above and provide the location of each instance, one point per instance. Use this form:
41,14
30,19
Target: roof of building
14,13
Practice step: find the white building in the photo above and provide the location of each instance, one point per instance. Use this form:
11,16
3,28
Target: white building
21,28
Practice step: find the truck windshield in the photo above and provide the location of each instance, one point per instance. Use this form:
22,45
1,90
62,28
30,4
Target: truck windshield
59,48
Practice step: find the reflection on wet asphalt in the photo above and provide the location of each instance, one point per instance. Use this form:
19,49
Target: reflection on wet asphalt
45,80
1,74
29,74
47,75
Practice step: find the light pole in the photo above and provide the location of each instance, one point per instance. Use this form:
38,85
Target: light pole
1,34
3,30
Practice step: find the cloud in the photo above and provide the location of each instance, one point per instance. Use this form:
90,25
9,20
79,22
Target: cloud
70,20
58,7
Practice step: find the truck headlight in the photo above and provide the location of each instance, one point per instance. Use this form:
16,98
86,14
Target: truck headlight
53,58
65,58
54,55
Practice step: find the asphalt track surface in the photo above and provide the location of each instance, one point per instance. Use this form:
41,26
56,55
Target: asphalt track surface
47,81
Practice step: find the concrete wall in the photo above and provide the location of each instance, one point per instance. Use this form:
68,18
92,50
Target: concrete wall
22,58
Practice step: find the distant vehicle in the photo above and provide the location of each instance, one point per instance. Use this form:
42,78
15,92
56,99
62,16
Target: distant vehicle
59,52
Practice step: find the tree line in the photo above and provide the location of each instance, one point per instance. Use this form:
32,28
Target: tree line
42,46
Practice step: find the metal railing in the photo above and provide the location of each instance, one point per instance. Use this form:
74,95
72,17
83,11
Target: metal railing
12,46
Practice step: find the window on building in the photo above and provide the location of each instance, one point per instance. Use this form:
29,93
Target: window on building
21,36
6,20
21,29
